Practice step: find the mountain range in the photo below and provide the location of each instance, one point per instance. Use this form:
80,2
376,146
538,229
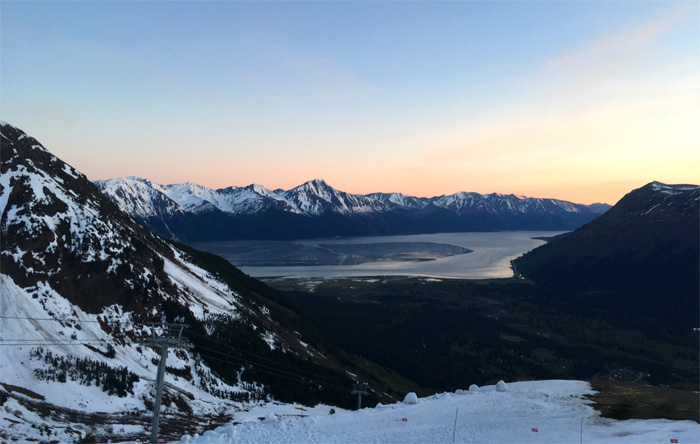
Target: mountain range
190,212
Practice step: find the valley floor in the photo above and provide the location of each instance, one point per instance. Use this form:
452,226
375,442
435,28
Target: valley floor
554,411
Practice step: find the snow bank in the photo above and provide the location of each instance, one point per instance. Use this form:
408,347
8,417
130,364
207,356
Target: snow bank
529,412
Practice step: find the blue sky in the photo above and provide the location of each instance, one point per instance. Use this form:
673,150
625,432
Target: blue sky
576,100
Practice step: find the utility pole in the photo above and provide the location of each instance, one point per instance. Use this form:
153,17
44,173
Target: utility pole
359,389
171,338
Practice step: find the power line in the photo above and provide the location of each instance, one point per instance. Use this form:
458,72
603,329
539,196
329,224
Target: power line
58,342
68,320
132,323
291,376
227,345
277,364
52,340
274,371
258,367
279,372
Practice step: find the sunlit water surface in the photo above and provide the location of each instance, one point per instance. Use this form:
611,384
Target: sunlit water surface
490,257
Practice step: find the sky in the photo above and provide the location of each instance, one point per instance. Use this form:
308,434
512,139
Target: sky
575,100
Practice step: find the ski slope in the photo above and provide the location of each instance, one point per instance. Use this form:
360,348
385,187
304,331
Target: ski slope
526,412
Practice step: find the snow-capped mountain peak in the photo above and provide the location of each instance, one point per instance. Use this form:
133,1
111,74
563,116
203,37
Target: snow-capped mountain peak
316,188
261,190
400,201
139,198
193,197
659,200
671,189
316,197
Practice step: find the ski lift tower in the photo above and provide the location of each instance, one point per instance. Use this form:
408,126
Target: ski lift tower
172,337
359,389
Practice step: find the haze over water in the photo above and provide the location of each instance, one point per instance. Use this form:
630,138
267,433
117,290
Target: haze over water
490,257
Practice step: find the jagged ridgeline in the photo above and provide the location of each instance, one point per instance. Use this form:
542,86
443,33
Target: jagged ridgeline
189,212
81,280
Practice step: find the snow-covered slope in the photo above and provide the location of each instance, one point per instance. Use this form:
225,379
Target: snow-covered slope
58,354
249,200
317,197
140,198
519,412
495,203
80,282
190,196
400,201
664,200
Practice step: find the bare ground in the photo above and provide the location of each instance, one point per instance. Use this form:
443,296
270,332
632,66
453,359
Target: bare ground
627,400
101,427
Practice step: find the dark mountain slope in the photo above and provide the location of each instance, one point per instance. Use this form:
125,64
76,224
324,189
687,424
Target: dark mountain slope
58,229
642,254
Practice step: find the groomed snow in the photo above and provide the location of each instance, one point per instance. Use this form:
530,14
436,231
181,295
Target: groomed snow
527,412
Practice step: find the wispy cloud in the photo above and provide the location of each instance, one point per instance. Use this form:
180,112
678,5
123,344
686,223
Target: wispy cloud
325,78
615,53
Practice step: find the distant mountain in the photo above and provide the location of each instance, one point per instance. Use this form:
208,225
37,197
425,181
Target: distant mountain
489,212
191,212
640,255
81,280
142,198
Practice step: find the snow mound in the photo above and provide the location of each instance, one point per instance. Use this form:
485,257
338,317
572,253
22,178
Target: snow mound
473,388
271,418
411,398
501,386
